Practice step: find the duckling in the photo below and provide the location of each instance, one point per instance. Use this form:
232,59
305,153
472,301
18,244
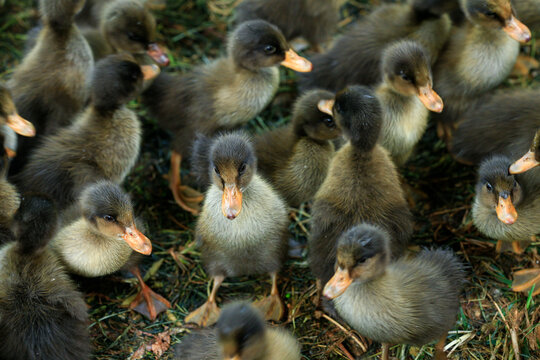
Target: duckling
364,167
406,97
355,57
315,20
105,239
480,54
242,218
224,94
240,333
102,143
411,300
507,207
11,119
295,158
42,316
50,86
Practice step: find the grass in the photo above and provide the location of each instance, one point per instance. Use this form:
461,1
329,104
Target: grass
194,30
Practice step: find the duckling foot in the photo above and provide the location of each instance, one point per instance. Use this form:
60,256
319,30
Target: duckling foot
524,65
272,307
525,279
439,350
187,198
147,302
206,315
518,247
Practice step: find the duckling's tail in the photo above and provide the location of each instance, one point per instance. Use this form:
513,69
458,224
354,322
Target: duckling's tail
200,159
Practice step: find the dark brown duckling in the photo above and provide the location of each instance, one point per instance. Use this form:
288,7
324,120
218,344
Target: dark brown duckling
243,217
11,119
481,52
50,86
240,333
407,301
355,57
315,20
364,168
42,315
224,94
295,158
102,143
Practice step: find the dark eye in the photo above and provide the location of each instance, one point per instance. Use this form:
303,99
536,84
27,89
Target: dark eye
328,121
489,187
361,260
109,218
134,37
242,168
216,170
404,76
490,14
269,49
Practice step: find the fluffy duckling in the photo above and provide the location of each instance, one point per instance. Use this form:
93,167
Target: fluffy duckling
224,94
42,316
406,97
102,143
50,86
408,301
242,218
240,333
507,207
9,118
355,58
105,239
314,20
363,165
295,158
480,54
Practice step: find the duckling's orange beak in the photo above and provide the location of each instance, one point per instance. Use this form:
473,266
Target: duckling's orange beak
157,53
506,212
517,30
431,100
231,202
296,62
326,106
150,71
20,125
527,162
137,241
337,284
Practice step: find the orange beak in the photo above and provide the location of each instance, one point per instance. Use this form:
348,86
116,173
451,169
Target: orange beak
337,284
326,106
431,100
157,54
150,71
231,202
20,125
137,241
10,153
506,212
517,30
527,162
296,62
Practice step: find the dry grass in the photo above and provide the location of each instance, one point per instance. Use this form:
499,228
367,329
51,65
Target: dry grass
194,31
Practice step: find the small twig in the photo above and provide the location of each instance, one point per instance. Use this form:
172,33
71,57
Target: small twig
346,331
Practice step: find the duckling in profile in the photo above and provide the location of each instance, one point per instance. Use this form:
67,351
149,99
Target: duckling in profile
223,94
314,20
11,119
243,217
365,167
295,158
240,333
50,86
355,57
408,301
42,316
406,95
105,239
102,143
507,207
479,55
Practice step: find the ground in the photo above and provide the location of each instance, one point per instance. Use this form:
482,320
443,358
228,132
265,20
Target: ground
490,316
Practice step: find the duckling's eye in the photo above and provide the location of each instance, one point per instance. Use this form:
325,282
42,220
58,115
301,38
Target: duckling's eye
216,170
404,76
242,168
361,260
328,121
269,49
489,187
134,37
109,218
490,14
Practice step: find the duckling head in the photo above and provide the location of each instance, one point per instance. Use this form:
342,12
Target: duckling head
60,14
312,117
258,44
129,27
406,69
240,331
109,210
117,79
530,160
232,166
496,14
363,253
498,190
10,117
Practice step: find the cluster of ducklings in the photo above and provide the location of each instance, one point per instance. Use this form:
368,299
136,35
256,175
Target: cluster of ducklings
374,87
